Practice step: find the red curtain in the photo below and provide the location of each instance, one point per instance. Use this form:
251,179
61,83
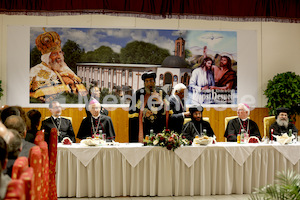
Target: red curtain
234,9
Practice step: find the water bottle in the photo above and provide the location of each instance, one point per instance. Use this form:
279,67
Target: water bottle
151,133
242,137
100,134
290,132
204,132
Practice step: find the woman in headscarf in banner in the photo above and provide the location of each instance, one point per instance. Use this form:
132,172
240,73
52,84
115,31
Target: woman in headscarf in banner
147,110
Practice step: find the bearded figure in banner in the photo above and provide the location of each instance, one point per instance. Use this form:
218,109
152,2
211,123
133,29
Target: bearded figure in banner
52,76
147,110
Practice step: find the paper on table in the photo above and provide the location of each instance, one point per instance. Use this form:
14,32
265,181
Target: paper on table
134,155
240,153
189,154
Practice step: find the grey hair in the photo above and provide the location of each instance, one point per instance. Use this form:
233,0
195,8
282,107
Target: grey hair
245,108
178,87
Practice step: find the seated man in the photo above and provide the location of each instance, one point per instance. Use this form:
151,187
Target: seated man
197,125
282,124
64,126
14,147
95,123
4,178
17,123
177,108
235,126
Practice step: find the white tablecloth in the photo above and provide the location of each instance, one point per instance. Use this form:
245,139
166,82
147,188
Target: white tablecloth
130,170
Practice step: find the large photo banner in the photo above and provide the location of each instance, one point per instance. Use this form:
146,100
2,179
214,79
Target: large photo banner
66,63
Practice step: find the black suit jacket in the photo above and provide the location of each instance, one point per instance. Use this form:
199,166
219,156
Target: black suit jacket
66,129
176,119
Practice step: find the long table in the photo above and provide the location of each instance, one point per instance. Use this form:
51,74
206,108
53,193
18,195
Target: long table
133,170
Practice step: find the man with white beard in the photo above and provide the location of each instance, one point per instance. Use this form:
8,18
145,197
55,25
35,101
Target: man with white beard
282,124
52,76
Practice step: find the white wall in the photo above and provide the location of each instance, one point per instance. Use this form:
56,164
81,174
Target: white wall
278,44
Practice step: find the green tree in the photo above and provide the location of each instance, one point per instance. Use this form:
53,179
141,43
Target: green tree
188,54
283,91
35,57
72,54
103,54
138,52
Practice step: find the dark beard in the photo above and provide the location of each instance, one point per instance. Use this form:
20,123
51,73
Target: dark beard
149,90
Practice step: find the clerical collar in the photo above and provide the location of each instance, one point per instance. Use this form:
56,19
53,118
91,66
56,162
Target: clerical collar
96,117
55,117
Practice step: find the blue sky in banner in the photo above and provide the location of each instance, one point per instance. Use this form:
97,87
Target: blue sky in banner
92,38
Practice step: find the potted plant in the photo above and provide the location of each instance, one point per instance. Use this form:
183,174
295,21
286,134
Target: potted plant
287,186
284,91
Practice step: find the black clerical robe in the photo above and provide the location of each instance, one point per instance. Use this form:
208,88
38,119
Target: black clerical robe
193,128
278,130
105,124
176,114
65,129
234,128
154,117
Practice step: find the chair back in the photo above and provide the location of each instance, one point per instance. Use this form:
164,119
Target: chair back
187,119
45,169
35,161
268,121
52,163
227,119
20,165
15,190
40,136
28,178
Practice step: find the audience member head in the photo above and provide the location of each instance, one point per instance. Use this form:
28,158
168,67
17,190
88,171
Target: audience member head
24,117
149,81
17,123
35,118
243,111
94,108
3,154
55,108
179,90
6,135
14,146
11,110
94,90
196,113
282,117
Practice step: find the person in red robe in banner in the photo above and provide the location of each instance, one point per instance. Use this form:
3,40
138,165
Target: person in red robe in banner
225,77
